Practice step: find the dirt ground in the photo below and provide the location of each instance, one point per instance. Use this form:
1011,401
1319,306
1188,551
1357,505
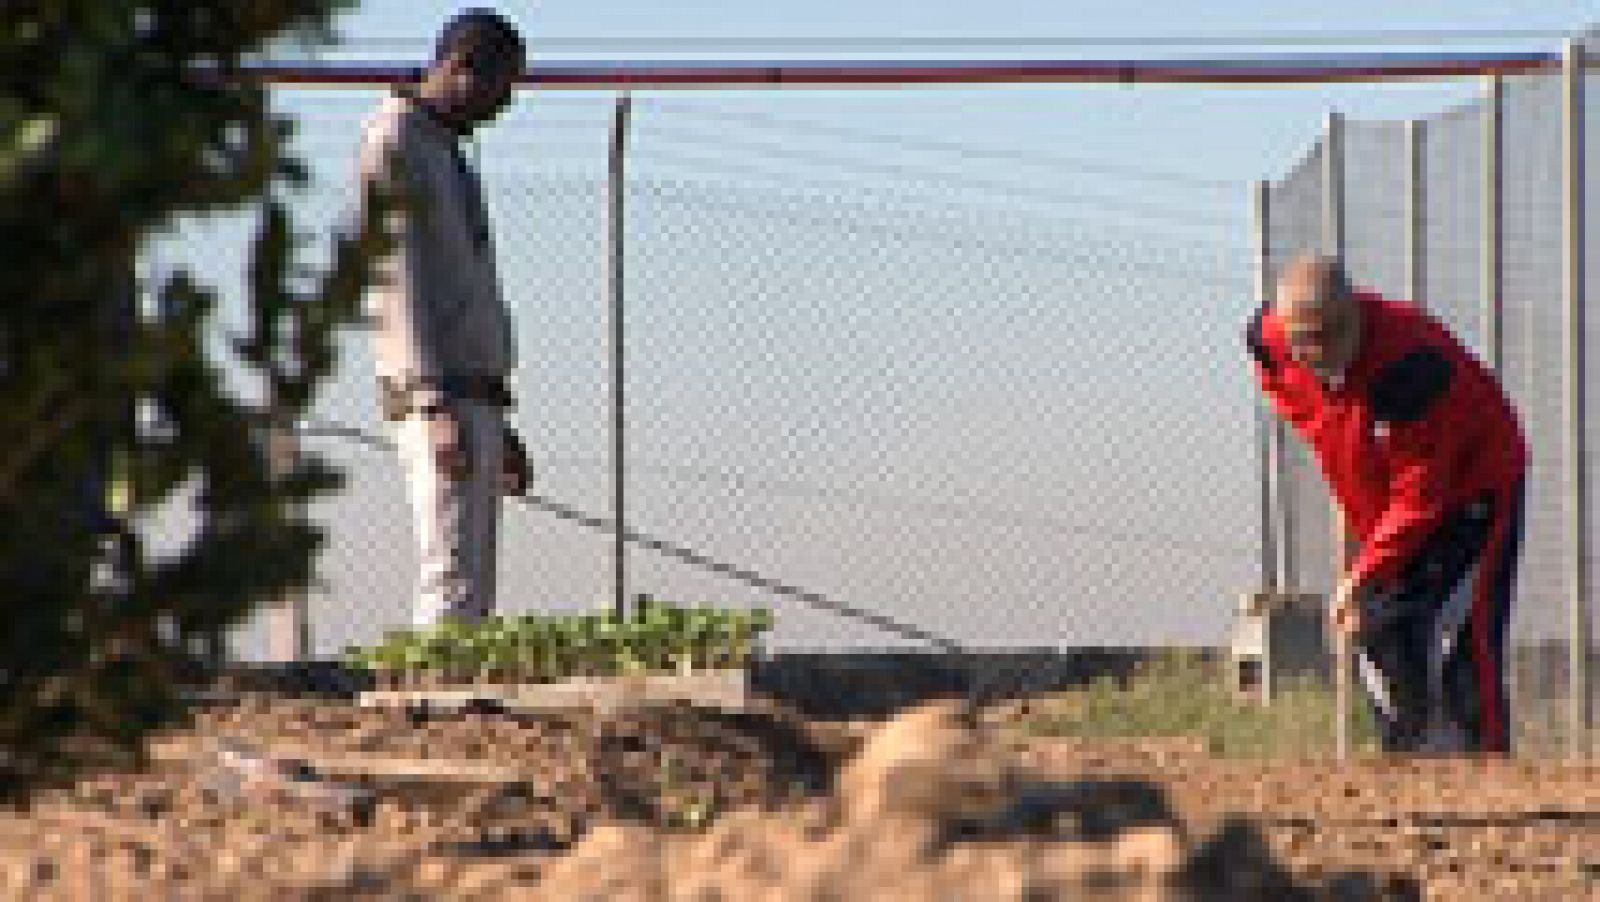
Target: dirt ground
693,805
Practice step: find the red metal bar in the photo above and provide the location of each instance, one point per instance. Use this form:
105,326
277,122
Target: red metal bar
737,74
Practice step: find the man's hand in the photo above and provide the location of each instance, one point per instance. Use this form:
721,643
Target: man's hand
516,471
449,451
1345,612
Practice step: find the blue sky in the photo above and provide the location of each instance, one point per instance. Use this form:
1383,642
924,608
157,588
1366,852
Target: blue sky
1011,18
1232,134
968,356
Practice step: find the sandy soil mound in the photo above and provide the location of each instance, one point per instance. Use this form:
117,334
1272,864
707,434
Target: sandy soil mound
692,805
925,812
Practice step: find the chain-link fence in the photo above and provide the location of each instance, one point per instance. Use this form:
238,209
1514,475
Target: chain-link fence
877,379
1468,213
915,391
938,392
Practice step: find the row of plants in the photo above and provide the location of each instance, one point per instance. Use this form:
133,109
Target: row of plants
657,638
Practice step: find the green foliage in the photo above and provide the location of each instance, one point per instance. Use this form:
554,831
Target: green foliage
532,648
1177,696
116,118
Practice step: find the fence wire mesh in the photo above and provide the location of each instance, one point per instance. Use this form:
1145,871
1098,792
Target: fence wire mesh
957,387
1375,182
899,400
1453,221
1533,331
1296,226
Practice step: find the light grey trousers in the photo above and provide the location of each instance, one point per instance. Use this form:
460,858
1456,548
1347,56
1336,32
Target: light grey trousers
456,521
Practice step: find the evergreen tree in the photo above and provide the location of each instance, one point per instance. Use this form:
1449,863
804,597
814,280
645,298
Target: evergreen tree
116,118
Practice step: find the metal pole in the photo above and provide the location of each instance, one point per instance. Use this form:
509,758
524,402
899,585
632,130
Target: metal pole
1578,490
1266,423
1333,238
1493,232
1283,471
1333,225
616,259
1284,475
1492,278
1416,213
832,74
1264,455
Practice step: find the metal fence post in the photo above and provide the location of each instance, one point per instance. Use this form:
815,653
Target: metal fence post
1573,125
1416,212
616,259
1269,438
1283,468
1492,275
1333,241
1493,232
1283,479
1265,456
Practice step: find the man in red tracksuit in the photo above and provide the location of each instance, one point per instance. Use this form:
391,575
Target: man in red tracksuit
1424,454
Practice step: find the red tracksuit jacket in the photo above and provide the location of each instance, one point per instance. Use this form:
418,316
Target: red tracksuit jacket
1417,428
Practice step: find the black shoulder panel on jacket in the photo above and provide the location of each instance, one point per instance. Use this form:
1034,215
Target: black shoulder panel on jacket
1257,342
1407,389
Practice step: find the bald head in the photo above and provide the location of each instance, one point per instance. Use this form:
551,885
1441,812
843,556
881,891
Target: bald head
1318,312
1311,280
